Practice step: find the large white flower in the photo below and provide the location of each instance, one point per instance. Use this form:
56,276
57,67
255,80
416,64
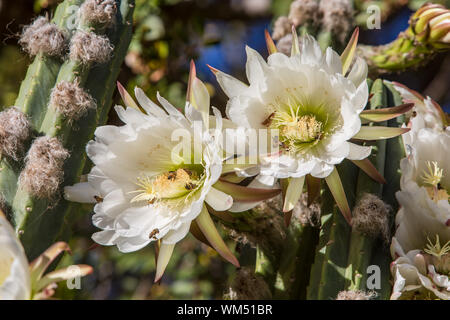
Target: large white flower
421,242
425,114
145,185
421,274
313,100
308,99
15,283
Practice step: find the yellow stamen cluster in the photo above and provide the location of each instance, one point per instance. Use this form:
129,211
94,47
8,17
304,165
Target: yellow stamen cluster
169,185
436,249
432,179
433,176
295,130
303,129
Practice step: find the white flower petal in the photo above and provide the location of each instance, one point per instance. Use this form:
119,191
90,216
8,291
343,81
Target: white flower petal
219,200
170,109
173,236
358,73
80,192
255,67
358,152
15,283
333,61
230,85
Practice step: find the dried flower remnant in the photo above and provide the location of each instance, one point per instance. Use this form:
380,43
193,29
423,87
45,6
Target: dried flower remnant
337,17
248,286
71,100
101,12
14,131
371,217
281,28
88,47
304,12
355,295
43,171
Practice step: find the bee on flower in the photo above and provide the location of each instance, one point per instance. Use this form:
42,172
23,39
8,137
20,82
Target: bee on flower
315,102
154,188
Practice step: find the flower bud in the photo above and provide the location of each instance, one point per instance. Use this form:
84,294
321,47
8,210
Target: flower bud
431,24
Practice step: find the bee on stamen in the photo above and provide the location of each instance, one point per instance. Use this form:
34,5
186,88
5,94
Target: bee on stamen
284,146
172,175
153,234
151,201
98,199
268,121
190,186
320,136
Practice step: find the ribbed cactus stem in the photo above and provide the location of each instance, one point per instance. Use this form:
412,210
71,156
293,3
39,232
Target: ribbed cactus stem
361,245
296,259
45,218
266,265
395,151
33,98
328,271
41,76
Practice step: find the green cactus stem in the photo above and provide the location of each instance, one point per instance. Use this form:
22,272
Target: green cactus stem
395,151
296,260
361,245
330,260
50,220
33,98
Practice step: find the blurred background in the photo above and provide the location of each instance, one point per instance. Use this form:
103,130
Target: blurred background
167,35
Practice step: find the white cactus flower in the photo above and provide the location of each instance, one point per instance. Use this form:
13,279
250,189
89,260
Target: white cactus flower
15,283
314,102
421,274
421,245
21,281
145,191
426,113
308,99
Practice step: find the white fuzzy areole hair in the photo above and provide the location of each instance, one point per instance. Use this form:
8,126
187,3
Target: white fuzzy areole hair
43,37
43,171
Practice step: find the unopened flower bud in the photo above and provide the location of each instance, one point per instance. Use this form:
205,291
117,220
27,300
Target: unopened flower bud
431,24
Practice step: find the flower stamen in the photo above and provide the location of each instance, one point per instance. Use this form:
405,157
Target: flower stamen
434,175
169,185
436,249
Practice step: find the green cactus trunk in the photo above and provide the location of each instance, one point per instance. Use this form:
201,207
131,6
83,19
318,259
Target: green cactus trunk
33,99
361,245
344,266
49,220
330,260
